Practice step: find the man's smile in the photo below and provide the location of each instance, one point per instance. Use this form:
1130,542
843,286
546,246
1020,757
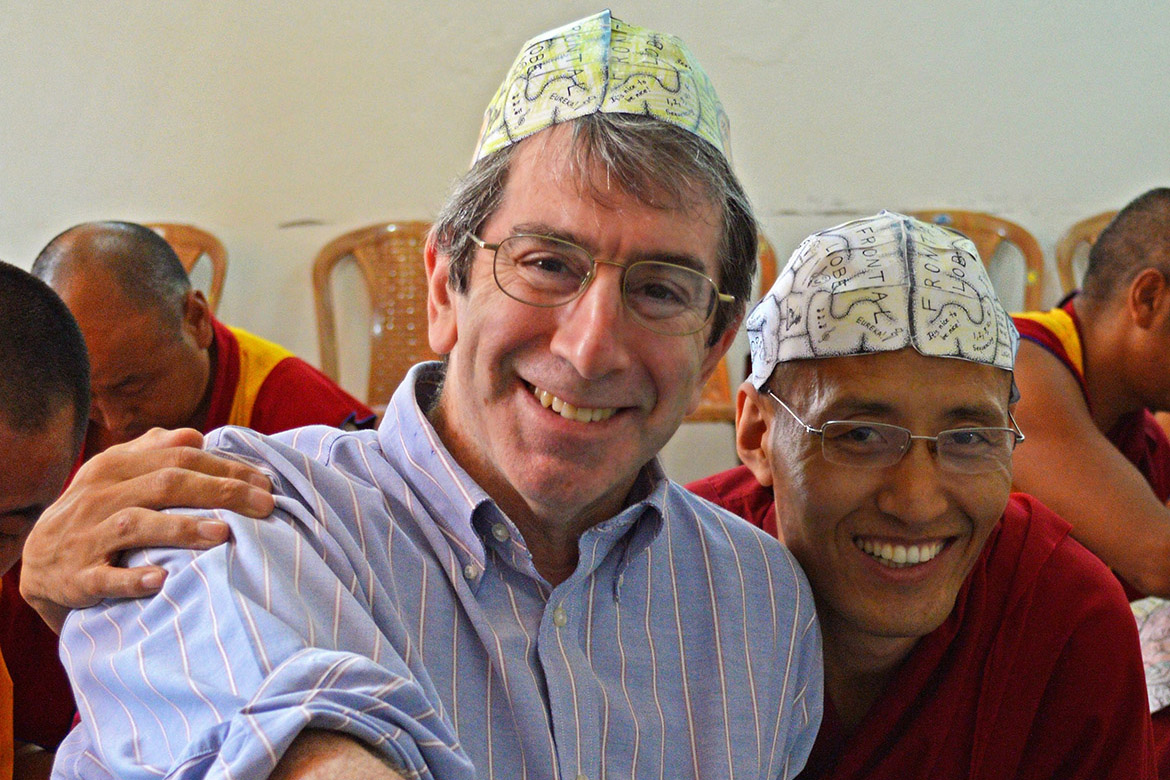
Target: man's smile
897,555
569,411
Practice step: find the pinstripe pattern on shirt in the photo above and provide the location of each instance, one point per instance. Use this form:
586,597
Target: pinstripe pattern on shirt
392,600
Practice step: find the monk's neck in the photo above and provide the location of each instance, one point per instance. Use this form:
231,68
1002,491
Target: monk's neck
858,669
1103,350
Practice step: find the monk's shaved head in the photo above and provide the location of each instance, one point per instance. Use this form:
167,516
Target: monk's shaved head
1138,238
141,264
43,365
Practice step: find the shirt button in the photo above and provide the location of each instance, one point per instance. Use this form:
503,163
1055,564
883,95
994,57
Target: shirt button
469,571
560,617
500,531
582,777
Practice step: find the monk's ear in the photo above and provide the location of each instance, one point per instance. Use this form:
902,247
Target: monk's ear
1149,298
753,432
197,319
442,331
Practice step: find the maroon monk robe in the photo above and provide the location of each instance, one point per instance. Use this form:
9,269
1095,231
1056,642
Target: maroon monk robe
1036,673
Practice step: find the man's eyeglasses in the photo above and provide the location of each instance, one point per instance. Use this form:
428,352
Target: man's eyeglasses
545,271
874,445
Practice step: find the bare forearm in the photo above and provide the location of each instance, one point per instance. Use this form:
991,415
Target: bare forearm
328,755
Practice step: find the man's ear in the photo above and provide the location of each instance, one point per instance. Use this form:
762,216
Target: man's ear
442,331
711,361
753,433
1148,298
197,319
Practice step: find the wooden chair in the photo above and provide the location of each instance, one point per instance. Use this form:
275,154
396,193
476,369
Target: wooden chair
987,232
718,401
1083,233
191,244
389,256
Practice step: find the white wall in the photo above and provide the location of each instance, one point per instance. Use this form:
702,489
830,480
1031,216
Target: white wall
279,125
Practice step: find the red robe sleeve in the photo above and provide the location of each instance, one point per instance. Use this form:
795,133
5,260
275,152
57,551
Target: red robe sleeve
296,394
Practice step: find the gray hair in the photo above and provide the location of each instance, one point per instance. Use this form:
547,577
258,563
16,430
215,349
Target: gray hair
660,165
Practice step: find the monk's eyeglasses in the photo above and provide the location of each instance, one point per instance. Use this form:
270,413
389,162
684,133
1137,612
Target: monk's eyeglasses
874,445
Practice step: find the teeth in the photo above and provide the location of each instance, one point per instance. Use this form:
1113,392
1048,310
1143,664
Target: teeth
570,412
899,556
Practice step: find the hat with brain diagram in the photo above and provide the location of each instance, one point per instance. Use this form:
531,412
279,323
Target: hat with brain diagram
601,64
880,284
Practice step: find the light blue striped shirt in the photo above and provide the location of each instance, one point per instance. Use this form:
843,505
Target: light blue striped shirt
392,600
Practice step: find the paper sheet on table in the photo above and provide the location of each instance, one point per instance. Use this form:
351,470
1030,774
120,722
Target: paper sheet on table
1153,621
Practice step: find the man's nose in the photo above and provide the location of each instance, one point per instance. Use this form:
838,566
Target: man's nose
112,417
914,489
593,331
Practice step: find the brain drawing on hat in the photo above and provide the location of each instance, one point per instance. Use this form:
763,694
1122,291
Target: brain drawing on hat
880,284
601,64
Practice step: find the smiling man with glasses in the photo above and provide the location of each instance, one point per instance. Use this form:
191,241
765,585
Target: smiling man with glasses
966,634
501,581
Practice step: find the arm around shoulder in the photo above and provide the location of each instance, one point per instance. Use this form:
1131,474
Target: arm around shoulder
247,645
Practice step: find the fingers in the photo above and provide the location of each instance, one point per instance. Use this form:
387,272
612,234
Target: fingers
111,506
135,528
179,487
63,572
117,583
160,449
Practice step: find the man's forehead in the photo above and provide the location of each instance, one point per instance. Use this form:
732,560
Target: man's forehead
548,192
899,380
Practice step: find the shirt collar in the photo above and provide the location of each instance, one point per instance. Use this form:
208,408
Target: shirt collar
412,445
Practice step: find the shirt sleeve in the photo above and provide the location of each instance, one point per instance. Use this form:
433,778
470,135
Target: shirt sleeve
807,705
246,645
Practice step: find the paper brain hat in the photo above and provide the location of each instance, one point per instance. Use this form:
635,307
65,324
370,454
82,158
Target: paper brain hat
880,284
602,64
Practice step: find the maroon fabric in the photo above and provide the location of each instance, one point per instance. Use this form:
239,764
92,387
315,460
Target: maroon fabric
293,394
1037,672
1136,435
42,701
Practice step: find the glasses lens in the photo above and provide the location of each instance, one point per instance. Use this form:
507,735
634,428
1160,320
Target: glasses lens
669,298
541,271
975,450
863,444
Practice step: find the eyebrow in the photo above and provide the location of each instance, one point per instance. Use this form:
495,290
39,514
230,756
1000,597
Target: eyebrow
985,415
670,258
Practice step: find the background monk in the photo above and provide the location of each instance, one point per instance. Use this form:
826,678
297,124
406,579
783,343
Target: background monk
1091,371
44,404
158,359
966,633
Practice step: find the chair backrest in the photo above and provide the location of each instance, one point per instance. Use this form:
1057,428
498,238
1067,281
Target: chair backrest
389,256
718,401
987,232
1084,233
190,244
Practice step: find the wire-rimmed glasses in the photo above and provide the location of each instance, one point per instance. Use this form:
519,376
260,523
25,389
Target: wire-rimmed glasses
874,445
544,271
